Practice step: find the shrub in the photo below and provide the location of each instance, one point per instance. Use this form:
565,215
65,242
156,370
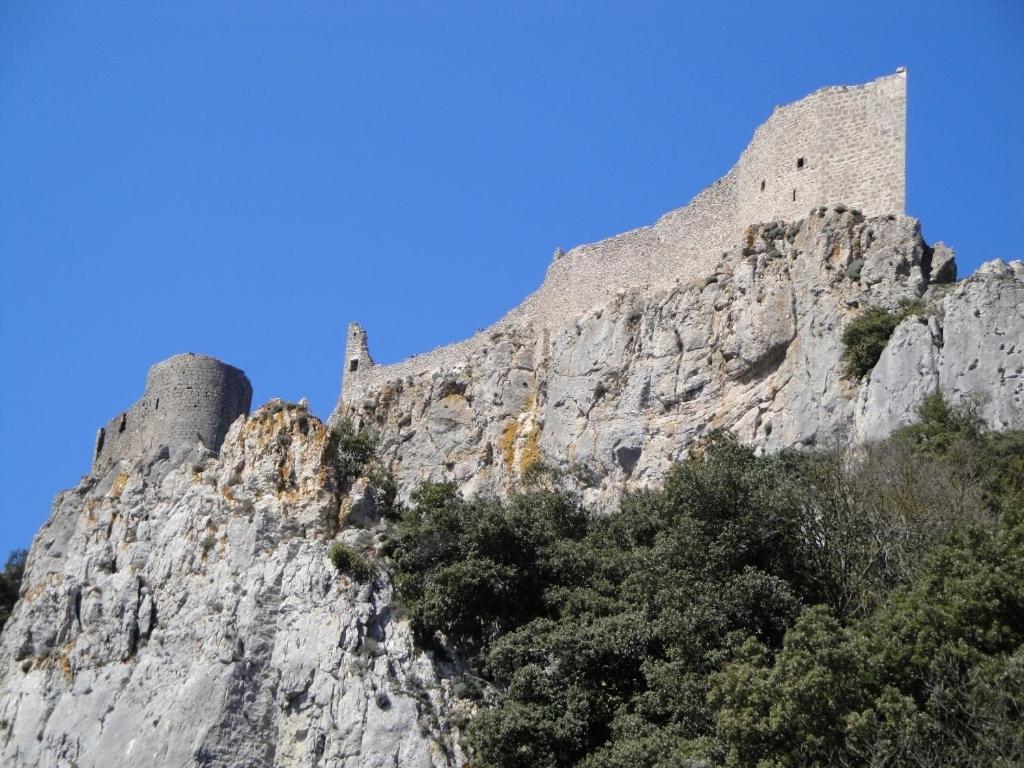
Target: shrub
10,583
864,340
353,449
854,269
208,542
994,460
870,515
472,569
939,425
350,562
467,686
384,489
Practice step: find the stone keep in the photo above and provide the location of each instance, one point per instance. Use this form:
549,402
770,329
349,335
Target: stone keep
841,144
189,400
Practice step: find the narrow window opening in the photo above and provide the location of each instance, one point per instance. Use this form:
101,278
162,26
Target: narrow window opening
800,162
762,185
124,423
794,195
157,408
353,366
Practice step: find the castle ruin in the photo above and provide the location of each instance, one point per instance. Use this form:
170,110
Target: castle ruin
190,400
840,144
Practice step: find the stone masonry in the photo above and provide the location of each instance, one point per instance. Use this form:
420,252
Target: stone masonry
843,144
189,400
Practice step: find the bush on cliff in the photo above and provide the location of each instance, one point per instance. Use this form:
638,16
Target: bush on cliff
819,608
10,583
473,570
935,676
350,562
354,449
864,340
356,455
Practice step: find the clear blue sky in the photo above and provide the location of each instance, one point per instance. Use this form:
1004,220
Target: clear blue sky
243,178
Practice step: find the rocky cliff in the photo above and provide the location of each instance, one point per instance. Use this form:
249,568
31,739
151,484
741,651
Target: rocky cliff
195,619
754,346
190,615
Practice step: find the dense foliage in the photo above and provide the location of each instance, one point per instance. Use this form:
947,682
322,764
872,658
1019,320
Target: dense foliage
350,562
804,609
10,583
865,337
354,450
355,454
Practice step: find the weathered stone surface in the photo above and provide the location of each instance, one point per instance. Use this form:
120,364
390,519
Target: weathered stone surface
973,347
200,622
189,403
628,387
179,607
841,147
943,264
903,376
192,616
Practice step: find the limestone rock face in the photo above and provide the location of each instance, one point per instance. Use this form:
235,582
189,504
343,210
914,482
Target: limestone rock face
189,615
754,347
972,348
199,621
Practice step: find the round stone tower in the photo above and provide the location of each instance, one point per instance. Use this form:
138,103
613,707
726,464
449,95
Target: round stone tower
190,400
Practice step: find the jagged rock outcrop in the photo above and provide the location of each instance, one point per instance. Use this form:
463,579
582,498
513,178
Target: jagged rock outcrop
972,347
189,614
195,619
755,346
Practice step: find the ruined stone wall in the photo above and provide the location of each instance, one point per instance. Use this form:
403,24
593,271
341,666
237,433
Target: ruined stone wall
189,399
840,144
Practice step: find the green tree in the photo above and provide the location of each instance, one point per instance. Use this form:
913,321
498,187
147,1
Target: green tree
934,677
831,607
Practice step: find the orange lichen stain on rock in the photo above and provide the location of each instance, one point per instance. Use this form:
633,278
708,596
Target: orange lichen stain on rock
530,453
36,590
507,442
120,483
59,660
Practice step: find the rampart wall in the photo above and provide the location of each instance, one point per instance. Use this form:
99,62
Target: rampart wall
189,399
840,144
